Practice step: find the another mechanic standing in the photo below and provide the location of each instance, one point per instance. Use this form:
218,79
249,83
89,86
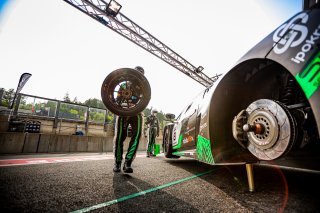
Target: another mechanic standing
153,131
121,127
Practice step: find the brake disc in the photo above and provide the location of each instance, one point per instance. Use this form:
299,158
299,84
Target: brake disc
271,130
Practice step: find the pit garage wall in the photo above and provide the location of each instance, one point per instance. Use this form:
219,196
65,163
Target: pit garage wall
17,142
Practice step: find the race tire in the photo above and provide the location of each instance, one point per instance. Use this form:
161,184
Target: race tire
126,100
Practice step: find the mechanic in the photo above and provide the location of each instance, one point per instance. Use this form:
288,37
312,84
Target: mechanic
121,128
153,131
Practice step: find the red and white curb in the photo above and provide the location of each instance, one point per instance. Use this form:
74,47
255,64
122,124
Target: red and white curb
32,161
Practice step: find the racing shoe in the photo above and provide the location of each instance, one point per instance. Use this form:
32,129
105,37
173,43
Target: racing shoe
127,167
117,167
152,155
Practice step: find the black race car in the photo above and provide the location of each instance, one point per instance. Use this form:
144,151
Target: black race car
266,107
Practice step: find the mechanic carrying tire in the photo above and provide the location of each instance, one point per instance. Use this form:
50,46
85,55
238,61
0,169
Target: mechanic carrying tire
126,92
152,132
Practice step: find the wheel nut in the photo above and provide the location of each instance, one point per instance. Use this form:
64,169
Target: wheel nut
257,128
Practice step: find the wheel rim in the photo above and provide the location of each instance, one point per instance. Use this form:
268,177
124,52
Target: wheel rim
126,96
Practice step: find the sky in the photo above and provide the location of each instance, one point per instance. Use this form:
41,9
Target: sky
68,52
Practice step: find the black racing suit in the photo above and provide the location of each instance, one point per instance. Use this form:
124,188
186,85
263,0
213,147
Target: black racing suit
121,128
153,123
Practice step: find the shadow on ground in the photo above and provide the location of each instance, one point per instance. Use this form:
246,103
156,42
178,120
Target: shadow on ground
277,190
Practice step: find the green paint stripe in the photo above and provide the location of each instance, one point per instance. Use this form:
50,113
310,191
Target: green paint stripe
134,146
119,200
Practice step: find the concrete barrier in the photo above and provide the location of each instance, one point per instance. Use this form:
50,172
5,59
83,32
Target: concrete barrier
11,142
31,143
4,124
95,144
53,142
63,143
44,142
78,143
107,144
15,142
142,144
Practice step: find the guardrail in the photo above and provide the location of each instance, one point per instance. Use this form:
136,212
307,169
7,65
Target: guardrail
57,116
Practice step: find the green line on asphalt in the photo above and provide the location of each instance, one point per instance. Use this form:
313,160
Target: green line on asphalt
111,202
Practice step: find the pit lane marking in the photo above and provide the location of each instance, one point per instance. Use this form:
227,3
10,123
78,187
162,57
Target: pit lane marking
121,199
48,160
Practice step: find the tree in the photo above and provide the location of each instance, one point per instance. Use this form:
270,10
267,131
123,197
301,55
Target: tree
94,102
75,100
66,98
7,97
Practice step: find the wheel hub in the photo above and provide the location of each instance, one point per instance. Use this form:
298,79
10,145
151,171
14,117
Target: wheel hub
126,93
263,119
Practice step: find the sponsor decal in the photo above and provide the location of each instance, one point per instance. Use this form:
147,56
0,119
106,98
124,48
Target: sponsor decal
203,126
203,115
309,78
307,46
189,130
179,143
174,134
187,139
290,34
203,151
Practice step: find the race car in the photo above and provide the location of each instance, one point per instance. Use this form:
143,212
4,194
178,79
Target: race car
263,109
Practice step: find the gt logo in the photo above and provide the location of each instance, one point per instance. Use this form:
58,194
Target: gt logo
290,34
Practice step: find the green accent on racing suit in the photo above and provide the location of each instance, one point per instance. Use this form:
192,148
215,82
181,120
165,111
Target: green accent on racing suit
132,150
309,78
121,131
204,152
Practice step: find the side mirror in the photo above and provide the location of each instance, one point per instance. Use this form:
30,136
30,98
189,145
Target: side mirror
170,116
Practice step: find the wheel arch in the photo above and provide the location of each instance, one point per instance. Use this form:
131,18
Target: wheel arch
248,81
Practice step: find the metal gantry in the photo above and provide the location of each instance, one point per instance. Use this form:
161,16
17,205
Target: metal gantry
121,24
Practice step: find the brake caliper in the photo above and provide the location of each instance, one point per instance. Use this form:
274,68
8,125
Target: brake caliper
237,128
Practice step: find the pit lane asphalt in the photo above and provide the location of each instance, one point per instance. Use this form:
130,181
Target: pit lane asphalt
157,185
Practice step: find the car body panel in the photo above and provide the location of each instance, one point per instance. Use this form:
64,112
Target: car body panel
203,129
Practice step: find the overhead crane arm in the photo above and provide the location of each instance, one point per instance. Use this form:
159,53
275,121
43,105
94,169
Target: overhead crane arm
97,9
